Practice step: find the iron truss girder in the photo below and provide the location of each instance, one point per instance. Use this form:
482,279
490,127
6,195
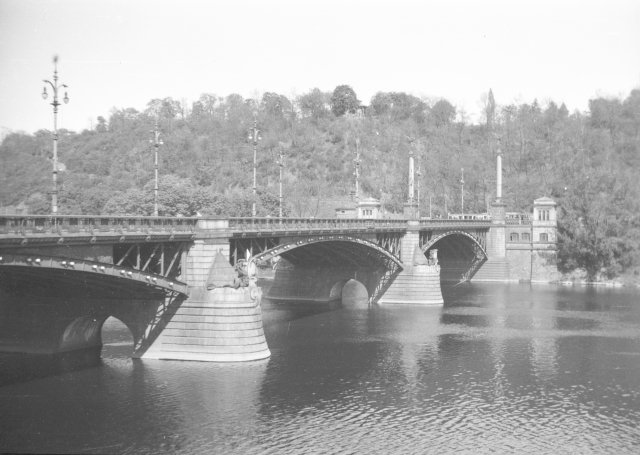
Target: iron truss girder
254,245
390,241
391,271
159,258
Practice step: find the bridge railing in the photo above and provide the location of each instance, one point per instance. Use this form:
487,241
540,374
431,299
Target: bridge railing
518,221
311,224
69,224
449,223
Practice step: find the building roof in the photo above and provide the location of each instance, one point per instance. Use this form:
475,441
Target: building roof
368,201
544,201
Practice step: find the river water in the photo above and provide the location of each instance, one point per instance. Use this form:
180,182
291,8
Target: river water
498,369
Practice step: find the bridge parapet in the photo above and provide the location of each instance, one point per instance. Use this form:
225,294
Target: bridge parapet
519,220
282,225
445,223
70,226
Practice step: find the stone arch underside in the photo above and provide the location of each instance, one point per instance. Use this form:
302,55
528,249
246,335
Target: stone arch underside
51,310
313,269
459,254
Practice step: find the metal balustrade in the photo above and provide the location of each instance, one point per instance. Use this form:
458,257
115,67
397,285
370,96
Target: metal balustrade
21,225
71,224
312,224
523,221
445,223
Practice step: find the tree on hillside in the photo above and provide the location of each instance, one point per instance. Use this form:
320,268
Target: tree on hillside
275,105
344,100
398,106
490,110
443,113
315,104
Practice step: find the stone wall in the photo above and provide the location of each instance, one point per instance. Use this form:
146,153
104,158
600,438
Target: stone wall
539,264
200,257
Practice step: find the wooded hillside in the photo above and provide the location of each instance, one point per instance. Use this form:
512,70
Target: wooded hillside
588,162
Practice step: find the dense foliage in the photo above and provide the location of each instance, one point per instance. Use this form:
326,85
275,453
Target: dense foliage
587,162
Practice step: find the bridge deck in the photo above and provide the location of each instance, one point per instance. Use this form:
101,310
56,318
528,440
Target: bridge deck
34,229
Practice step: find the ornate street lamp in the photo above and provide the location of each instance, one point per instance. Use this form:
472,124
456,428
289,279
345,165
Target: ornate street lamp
357,162
419,175
280,165
462,190
254,136
55,103
157,142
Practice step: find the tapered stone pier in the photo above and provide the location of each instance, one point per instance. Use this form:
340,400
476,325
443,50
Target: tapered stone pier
219,322
418,283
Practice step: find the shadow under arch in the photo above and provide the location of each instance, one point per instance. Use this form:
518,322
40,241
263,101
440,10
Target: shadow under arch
460,255
349,291
315,268
336,290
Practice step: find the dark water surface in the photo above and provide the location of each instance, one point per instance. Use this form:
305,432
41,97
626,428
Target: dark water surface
498,369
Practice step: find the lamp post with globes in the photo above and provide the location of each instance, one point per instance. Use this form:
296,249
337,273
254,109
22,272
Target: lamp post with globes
254,136
157,142
55,103
280,163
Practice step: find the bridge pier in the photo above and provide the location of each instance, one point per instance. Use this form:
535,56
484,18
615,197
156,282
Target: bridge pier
221,325
496,268
218,322
419,281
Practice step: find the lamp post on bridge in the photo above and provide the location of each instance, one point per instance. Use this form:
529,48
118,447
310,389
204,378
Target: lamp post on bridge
356,172
462,190
55,103
157,142
419,175
281,166
254,136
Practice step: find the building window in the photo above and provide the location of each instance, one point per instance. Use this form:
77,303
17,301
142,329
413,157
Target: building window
526,236
543,215
544,237
514,237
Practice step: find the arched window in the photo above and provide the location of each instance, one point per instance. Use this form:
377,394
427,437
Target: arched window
514,237
544,237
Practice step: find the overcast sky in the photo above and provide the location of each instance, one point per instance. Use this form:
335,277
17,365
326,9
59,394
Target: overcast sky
124,53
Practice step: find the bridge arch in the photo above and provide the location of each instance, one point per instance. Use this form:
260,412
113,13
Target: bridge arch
53,274
81,333
460,254
316,268
330,250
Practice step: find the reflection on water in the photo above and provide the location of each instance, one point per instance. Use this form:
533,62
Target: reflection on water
500,368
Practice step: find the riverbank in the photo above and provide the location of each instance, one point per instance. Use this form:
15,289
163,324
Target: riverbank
579,278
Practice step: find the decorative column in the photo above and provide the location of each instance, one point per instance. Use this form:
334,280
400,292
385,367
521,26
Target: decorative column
410,207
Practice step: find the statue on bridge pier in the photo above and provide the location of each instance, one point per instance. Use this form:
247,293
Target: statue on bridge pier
222,274
433,257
